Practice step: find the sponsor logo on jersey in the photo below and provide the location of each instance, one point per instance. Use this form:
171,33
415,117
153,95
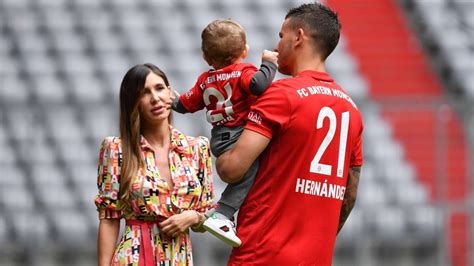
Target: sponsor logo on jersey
189,94
255,117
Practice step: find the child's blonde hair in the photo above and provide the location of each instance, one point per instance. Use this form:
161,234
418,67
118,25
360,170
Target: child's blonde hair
223,41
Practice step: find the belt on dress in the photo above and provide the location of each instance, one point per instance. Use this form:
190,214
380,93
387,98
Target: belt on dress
146,257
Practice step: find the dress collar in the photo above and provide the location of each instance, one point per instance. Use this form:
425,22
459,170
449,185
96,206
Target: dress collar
178,142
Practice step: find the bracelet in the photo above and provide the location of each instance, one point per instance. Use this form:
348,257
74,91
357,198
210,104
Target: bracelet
199,215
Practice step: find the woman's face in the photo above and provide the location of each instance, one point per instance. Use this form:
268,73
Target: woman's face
155,101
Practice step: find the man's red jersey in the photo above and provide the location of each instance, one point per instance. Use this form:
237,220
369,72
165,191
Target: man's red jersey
291,215
225,93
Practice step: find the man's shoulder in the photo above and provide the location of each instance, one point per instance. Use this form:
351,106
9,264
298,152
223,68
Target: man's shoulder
288,81
284,85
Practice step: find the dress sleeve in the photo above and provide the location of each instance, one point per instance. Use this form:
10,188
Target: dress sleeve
108,179
205,175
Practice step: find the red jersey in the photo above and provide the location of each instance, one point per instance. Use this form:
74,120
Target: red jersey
225,93
291,214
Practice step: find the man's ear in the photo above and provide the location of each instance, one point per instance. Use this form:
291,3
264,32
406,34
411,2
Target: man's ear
300,36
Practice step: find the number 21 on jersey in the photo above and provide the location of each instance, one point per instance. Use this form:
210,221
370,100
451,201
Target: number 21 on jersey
222,103
325,169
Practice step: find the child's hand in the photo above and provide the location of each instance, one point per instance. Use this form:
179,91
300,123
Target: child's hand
270,56
174,95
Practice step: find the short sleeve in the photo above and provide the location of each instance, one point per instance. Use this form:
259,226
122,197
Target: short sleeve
271,112
193,100
357,154
108,179
205,175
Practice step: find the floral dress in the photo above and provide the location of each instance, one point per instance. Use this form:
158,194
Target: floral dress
153,200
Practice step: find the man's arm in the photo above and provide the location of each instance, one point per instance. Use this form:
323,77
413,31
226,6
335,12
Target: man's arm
349,196
234,163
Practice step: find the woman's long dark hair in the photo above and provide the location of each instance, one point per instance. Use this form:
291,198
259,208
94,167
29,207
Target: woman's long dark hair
131,90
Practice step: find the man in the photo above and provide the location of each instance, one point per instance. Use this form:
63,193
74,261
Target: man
309,133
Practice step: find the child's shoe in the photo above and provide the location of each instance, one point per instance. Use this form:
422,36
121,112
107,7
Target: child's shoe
223,228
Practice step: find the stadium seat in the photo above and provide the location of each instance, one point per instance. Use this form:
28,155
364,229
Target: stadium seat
63,123
56,93
72,228
86,88
100,122
37,150
16,198
13,88
4,235
28,234
450,24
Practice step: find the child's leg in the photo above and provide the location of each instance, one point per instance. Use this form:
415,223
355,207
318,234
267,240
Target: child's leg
222,139
220,223
235,194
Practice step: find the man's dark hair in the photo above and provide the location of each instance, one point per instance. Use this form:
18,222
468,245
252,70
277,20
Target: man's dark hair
320,22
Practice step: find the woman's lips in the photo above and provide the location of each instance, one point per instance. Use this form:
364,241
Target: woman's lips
157,110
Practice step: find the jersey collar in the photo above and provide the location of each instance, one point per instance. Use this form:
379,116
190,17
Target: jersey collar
322,76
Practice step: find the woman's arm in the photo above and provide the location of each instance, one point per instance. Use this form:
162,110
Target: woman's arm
179,223
107,238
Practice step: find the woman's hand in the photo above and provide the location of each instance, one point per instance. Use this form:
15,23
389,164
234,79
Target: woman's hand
179,223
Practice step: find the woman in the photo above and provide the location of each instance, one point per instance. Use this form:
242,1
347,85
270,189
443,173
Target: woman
153,176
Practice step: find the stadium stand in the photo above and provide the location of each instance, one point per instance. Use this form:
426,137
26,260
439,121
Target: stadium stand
61,63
